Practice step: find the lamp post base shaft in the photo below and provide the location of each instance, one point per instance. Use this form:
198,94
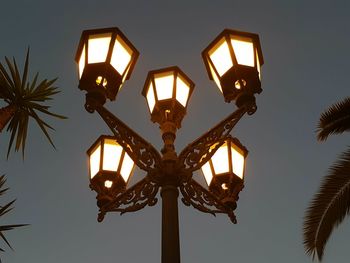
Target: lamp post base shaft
170,225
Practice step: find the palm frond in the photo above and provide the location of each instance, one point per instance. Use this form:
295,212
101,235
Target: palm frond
6,76
4,210
14,75
335,120
6,92
42,125
2,183
329,207
25,71
28,100
12,128
7,228
33,84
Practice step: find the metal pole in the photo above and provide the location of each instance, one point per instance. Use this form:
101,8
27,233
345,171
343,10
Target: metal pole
170,225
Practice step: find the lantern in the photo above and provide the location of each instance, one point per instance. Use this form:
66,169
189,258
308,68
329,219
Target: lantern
105,59
233,60
224,172
167,92
110,166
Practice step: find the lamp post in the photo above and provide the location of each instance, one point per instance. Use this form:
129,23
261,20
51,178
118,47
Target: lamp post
105,59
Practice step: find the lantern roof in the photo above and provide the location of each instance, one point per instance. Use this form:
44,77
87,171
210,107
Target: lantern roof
166,70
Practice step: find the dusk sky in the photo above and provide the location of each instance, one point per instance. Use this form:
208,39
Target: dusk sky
306,49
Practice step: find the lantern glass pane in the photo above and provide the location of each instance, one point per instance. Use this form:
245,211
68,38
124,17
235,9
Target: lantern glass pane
220,160
244,50
121,55
82,62
150,97
237,161
164,85
127,166
111,155
95,158
258,63
182,91
98,47
208,175
215,77
221,57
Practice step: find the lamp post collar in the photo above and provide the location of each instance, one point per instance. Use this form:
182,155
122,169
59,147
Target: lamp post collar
168,129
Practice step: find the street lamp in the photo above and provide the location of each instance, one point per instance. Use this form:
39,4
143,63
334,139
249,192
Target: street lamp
110,168
233,61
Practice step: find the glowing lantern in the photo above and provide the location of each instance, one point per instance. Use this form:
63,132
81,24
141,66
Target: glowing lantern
224,172
167,92
110,166
233,60
105,59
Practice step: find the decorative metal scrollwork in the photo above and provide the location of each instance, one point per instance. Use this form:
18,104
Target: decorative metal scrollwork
137,197
194,194
202,149
145,156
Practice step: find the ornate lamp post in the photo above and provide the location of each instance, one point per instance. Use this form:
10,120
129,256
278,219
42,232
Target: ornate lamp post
105,58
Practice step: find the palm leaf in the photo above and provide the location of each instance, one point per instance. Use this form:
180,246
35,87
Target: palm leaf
44,109
329,207
25,132
334,120
25,71
42,125
2,183
12,128
4,91
16,79
5,85
27,99
4,210
6,75
33,84
7,228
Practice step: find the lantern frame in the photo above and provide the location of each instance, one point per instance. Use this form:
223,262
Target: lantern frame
169,109
97,183
110,79
239,79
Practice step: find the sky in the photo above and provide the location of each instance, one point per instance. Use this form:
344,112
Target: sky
305,45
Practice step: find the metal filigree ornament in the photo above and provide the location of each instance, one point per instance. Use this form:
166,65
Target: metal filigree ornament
159,170
194,194
201,150
135,198
145,156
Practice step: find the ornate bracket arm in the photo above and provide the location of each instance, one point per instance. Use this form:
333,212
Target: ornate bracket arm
135,198
202,149
145,156
194,194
